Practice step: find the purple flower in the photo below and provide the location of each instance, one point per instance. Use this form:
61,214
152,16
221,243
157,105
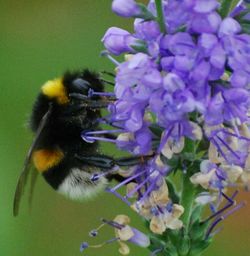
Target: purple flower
228,27
138,143
182,86
202,23
147,30
118,41
126,8
205,6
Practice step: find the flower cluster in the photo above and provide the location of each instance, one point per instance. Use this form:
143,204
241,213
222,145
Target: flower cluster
182,98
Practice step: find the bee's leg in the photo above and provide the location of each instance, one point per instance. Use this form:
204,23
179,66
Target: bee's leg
107,162
89,103
100,161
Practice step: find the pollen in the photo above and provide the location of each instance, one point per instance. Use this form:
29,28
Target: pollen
44,159
55,89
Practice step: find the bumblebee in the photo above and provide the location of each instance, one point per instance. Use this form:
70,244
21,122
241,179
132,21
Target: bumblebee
62,110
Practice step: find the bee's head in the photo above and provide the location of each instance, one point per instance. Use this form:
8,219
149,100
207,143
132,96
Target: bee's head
59,90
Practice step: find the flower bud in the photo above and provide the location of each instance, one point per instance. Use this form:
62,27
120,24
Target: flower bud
125,8
118,41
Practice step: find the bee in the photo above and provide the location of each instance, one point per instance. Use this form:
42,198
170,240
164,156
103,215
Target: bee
62,110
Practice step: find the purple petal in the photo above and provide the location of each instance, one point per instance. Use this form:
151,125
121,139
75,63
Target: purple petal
172,82
218,57
183,63
239,78
237,95
152,79
135,121
167,63
180,43
139,238
207,41
117,40
125,8
146,30
205,6
206,23
228,27
201,71
214,114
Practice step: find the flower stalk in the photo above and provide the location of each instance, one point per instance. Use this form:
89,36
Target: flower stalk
187,199
160,16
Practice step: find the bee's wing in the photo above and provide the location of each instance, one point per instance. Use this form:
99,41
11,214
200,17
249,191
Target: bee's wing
25,172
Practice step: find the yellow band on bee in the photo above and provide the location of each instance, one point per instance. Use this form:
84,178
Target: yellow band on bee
55,89
44,159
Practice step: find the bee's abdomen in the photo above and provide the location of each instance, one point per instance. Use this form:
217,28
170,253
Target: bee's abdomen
44,159
79,185
64,173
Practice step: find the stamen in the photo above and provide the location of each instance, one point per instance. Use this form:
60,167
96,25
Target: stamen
215,223
93,233
131,193
97,176
103,132
118,195
150,188
165,139
92,139
228,147
106,54
156,251
219,176
127,180
216,231
235,135
230,203
85,245
219,148
113,224
92,93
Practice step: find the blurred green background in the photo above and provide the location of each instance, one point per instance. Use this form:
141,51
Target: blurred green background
38,41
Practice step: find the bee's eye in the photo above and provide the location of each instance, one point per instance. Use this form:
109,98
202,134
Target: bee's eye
80,85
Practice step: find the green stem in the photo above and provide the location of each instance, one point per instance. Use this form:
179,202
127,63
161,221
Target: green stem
160,15
227,6
187,198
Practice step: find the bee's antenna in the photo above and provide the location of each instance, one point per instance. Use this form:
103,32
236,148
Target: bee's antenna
108,73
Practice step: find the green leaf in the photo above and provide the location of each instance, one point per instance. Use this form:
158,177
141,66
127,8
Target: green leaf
199,247
242,14
145,14
174,236
226,7
245,25
172,192
198,230
184,245
196,213
156,130
140,46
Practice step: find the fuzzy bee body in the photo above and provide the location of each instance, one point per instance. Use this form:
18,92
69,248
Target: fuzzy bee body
54,156
57,121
